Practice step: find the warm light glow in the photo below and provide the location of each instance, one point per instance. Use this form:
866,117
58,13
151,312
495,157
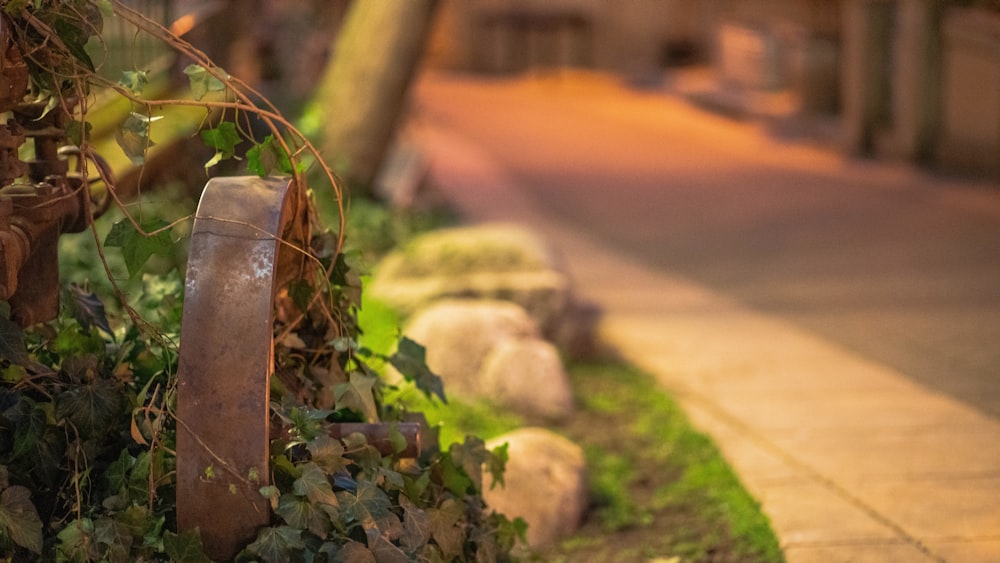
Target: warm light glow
183,24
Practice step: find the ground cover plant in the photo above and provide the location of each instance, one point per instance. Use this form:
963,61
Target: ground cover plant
87,400
660,490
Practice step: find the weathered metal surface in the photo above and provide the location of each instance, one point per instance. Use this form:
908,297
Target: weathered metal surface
226,357
31,220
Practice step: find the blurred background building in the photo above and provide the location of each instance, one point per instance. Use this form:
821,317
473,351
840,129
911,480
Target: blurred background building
914,80
910,80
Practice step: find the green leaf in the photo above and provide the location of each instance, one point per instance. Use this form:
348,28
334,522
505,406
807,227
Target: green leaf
142,524
137,485
88,309
272,493
107,10
416,524
13,373
74,35
114,538
185,547
77,131
470,456
92,408
223,139
133,137
496,464
327,453
299,513
30,422
19,520
134,80
391,480
308,423
77,543
350,552
202,82
116,473
12,347
365,507
14,7
358,396
301,292
410,359
445,527
453,478
276,544
268,156
385,552
136,247
314,485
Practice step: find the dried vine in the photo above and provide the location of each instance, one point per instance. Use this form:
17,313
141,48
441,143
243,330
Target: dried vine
88,472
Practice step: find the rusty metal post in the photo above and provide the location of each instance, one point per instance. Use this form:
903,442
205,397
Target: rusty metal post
226,358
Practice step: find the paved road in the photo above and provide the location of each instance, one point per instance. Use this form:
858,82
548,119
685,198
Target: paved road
898,266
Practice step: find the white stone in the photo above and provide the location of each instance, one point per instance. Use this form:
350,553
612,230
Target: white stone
546,484
503,262
460,333
528,376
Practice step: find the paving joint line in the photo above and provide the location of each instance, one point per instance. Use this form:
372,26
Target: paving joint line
685,391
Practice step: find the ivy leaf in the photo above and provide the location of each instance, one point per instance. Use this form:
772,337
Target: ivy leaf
12,347
92,408
30,420
327,453
384,551
116,472
76,541
202,81
134,81
357,395
137,247
14,7
114,537
365,507
137,485
77,131
445,529
276,544
19,520
74,36
453,478
299,513
142,524
185,547
410,359
350,552
88,309
268,156
133,137
496,464
301,292
470,456
223,139
314,485
416,524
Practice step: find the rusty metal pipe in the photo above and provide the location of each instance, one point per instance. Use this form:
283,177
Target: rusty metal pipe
379,436
226,359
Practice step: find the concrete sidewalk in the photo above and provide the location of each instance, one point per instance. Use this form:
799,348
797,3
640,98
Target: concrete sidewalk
851,460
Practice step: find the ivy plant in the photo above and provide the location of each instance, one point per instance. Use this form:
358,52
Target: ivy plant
87,458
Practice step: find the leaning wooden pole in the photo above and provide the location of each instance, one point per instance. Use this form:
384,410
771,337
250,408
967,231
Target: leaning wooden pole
363,90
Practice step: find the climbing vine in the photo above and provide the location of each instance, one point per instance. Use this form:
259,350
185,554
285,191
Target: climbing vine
87,401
